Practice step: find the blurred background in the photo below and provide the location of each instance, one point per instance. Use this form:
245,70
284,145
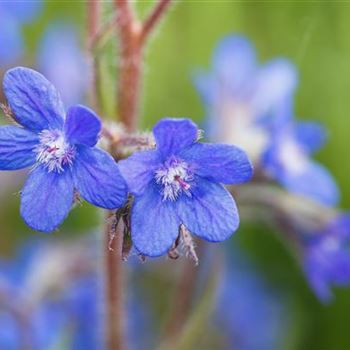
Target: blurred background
269,288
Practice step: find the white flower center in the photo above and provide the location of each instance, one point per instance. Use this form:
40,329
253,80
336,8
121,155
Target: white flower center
238,126
53,151
292,157
174,178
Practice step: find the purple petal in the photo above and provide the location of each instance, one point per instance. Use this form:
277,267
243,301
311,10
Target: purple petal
318,283
97,178
23,11
174,134
219,163
46,199
154,223
234,63
276,81
314,182
311,136
16,148
210,212
11,46
62,60
206,86
82,126
33,99
138,170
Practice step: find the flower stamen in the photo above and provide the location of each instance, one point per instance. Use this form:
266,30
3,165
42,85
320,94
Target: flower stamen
174,177
54,151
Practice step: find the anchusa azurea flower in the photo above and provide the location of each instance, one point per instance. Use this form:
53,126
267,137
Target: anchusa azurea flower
60,148
178,183
326,257
287,158
252,107
238,94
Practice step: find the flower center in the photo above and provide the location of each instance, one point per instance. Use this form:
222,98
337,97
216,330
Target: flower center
53,151
174,177
292,157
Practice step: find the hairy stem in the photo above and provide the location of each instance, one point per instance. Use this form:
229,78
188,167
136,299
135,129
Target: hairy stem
130,65
184,293
93,23
132,38
129,31
154,17
114,278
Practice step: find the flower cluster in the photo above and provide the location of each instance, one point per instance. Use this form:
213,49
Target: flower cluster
252,107
176,184
60,147
50,298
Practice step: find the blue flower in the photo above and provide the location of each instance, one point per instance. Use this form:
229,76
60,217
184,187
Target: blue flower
327,257
250,313
239,94
178,183
13,14
287,158
62,61
44,296
61,149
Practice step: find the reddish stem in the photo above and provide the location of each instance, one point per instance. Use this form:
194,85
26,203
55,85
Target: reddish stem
114,284
133,35
153,18
130,33
130,68
93,22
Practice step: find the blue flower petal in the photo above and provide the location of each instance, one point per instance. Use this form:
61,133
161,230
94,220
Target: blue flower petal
154,223
206,85
46,199
138,170
234,63
62,60
174,134
23,11
82,126
210,212
310,135
97,178
16,147
314,182
276,81
33,99
218,162
11,46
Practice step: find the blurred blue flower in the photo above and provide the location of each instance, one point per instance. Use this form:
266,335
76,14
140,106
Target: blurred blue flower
13,14
239,94
287,158
62,151
250,313
46,302
62,61
179,183
327,257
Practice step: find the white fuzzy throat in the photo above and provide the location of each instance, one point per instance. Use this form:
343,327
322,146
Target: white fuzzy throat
174,178
54,151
